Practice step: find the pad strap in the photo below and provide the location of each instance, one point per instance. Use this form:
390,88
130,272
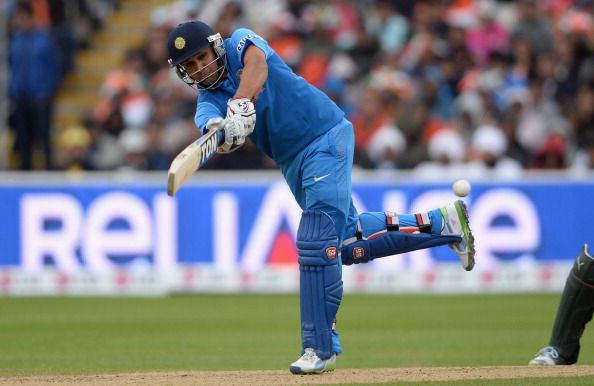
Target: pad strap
359,230
392,221
424,222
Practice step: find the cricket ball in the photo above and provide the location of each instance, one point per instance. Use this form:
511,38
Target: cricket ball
461,187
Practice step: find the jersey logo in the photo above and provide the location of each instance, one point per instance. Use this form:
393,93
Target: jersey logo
245,39
316,179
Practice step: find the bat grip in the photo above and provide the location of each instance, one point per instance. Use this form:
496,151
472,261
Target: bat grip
220,137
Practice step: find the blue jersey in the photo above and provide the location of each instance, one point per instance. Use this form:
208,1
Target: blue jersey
290,113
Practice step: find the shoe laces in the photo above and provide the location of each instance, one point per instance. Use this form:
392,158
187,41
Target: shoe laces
309,354
549,351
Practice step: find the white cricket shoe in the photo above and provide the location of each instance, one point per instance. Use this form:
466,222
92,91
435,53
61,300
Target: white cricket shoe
310,363
547,356
455,222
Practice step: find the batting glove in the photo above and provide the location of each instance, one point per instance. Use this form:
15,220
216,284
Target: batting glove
234,136
243,111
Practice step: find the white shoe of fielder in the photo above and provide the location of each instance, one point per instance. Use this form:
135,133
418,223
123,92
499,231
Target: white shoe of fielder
547,356
455,222
310,363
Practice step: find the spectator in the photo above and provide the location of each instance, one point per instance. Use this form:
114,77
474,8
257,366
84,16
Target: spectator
447,152
386,148
552,154
73,149
583,160
532,26
369,118
488,157
539,119
127,87
157,157
488,35
152,52
523,67
582,115
284,39
388,26
134,144
35,74
63,35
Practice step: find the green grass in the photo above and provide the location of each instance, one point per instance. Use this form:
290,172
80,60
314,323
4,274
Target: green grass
41,336
550,381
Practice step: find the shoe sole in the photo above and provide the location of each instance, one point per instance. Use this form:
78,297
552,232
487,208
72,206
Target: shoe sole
329,366
462,211
544,362
298,371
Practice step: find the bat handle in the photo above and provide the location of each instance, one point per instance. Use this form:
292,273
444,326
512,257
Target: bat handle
217,124
220,137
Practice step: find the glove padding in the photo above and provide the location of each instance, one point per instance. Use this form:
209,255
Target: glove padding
243,111
234,136
232,142
239,123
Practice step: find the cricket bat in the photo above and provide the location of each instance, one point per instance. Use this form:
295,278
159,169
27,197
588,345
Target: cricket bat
194,156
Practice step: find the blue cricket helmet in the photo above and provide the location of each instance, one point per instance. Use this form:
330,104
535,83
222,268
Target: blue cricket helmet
188,39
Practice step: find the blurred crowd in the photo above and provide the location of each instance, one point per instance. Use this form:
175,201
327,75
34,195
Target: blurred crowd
437,87
43,37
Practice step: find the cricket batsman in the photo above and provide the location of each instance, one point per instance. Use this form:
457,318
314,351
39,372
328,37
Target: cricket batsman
574,312
246,86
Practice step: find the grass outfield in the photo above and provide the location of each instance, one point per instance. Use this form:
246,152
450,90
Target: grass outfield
45,336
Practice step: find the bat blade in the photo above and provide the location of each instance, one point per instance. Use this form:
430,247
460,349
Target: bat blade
192,158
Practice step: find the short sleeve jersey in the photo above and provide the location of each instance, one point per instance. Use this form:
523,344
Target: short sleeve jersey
290,112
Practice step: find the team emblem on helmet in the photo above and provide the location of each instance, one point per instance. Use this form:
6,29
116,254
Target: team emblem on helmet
180,43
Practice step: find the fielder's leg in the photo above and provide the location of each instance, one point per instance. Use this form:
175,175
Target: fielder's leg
384,234
321,292
574,312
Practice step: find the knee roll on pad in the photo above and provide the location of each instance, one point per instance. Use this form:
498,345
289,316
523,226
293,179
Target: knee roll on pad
575,308
391,243
320,280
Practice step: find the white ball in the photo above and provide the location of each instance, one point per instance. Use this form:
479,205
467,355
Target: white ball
461,188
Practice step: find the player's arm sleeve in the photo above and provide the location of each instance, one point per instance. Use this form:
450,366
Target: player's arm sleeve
242,38
204,113
252,52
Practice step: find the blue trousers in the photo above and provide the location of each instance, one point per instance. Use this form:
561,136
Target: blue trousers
320,179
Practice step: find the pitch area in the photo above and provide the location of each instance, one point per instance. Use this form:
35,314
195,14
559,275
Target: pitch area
195,337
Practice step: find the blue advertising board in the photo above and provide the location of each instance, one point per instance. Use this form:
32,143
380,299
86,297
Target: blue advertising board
91,226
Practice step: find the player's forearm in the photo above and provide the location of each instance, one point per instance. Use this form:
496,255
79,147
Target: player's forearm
252,80
255,73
